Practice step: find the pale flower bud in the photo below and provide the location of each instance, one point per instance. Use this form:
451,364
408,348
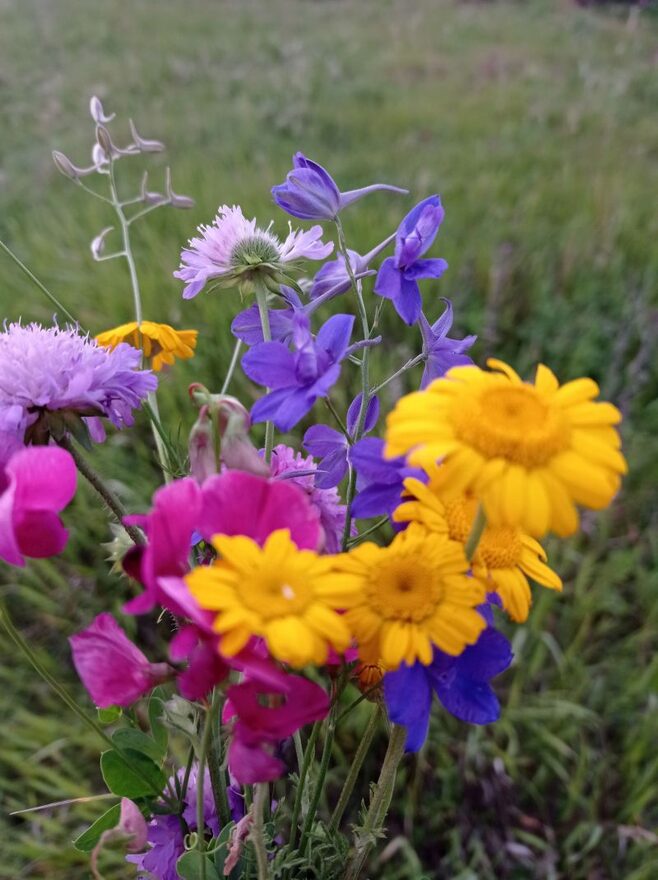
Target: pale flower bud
97,112
143,144
133,825
176,200
201,447
98,243
64,165
150,198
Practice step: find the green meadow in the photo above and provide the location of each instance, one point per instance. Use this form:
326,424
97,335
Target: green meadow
536,122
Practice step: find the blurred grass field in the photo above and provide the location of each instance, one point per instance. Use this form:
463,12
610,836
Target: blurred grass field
537,123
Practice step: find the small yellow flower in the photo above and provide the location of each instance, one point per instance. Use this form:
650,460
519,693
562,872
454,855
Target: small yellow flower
288,596
158,341
505,556
528,452
411,595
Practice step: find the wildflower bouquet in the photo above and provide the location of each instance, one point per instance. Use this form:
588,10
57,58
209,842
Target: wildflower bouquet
367,559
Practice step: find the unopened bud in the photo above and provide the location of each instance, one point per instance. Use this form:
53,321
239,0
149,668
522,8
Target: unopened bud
98,244
201,447
237,451
369,677
64,165
97,112
104,140
150,198
176,200
98,156
133,825
143,144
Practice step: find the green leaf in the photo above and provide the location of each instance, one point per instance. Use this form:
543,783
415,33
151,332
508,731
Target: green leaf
189,866
156,711
129,738
131,774
89,838
109,715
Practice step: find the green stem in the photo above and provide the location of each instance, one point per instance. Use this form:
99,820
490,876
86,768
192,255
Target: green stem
303,773
355,768
42,287
329,735
231,367
96,481
200,781
257,836
163,456
477,530
64,696
403,369
215,761
379,803
369,531
261,299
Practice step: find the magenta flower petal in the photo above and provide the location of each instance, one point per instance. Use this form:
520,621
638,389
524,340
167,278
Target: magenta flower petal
112,668
39,481
237,503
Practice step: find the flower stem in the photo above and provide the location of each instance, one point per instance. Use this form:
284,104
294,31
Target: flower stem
261,299
215,759
403,369
329,734
200,780
477,530
42,287
232,366
257,836
379,803
303,773
355,768
96,481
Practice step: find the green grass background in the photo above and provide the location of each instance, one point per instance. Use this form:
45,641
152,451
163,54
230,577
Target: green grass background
536,122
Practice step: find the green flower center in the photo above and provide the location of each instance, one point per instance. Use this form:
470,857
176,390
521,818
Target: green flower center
254,251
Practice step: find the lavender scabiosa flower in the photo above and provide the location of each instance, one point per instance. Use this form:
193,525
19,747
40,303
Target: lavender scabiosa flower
303,471
310,192
166,833
51,378
440,351
298,378
398,275
234,251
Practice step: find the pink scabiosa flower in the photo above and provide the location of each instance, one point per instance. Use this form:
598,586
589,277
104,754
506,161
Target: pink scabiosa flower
234,251
57,380
112,668
35,485
294,467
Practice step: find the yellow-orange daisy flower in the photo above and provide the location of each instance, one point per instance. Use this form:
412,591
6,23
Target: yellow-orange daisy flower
505,556
288,596
528,452
160,342
411,595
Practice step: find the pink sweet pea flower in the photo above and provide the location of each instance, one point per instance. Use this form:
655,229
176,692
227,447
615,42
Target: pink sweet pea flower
112,668
35,484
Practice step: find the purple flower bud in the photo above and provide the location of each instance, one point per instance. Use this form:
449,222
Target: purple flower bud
144,145
310,192
176,200
98,244
97,112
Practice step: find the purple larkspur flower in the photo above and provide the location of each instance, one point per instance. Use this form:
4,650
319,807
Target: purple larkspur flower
310,192
233,249
332,447
335,276
302,470
166,833
398,276
298,378
380,480
461,683
50,372
442,352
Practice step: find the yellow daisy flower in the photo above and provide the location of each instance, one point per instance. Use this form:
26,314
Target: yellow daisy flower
505,556
411,595
158,341
288,596
528,452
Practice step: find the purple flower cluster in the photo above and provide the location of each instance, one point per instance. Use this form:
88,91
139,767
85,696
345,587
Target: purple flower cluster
49,371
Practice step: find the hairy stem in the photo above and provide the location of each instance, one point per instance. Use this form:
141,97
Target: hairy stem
355,768
261,299
379,803
303,773
96,481
215,760
200,783
257,835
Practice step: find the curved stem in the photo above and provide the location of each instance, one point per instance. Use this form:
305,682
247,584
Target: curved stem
257,836
42,287
477,530
261,299
96,481
379,803
355,768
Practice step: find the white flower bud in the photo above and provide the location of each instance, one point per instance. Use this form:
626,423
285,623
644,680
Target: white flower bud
97,112
98,243
176,200
143,144
64,165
